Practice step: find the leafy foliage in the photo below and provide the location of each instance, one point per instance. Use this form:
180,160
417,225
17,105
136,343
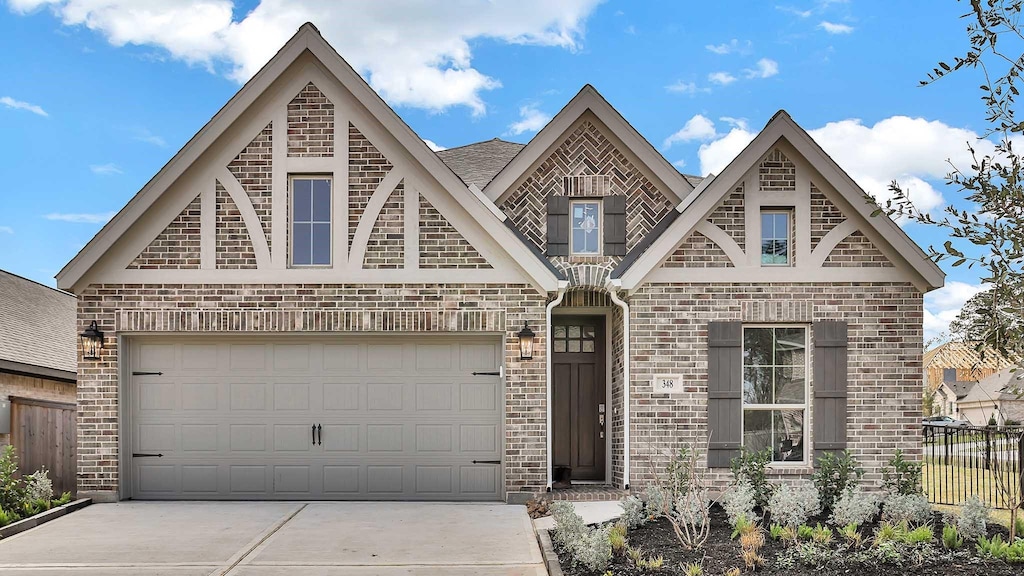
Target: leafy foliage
855,507
634,513
1000,550
38,486
739,501
586,546
951,539
902,476
752,467
792,504
913,509
12,491
971,519
835,475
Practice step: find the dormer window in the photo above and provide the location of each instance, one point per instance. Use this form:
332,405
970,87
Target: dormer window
586,227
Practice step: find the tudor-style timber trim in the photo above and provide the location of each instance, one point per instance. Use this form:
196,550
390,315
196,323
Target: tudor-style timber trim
910,263
411,150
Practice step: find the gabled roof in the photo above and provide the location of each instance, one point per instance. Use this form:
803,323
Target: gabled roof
37,329
307,38
479,163
713,191
963,355
999,386
588,99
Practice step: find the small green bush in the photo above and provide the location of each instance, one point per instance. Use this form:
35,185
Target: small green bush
972,518
855,507
753,468
951,539
902,476
920,535
739,501
834,476
804,532
821,535
792,505
634,514
776,531
913,509
996,548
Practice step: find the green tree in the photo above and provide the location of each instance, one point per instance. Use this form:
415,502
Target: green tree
985,231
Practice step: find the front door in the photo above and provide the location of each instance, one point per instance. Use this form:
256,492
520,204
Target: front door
578,395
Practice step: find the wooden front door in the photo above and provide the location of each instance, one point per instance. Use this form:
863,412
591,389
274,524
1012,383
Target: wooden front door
578,395
43,436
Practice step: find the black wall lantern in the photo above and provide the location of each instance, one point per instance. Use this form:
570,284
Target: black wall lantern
526,337
92,342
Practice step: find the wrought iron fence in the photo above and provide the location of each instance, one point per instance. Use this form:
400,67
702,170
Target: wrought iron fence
963,461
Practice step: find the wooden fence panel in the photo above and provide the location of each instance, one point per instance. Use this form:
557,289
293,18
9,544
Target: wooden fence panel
43,434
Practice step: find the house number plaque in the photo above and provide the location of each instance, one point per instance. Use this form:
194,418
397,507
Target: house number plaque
668,385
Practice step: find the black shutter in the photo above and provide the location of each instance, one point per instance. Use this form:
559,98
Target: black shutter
830,375
558,226
725,392
615,226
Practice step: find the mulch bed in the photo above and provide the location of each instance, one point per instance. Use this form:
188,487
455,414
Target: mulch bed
721,553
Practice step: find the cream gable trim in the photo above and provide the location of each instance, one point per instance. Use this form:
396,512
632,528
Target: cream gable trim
905,255
669,179
252,222
410,151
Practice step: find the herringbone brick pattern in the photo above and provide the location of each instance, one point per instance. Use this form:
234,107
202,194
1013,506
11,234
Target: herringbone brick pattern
310,124
587,151
385,248
177,246
253,169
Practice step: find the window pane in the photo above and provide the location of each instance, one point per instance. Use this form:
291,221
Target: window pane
757,429
588,331
574,331
757,385
559,331
790,385
781,226
559,345
579,241
767,226
302,201
574,345
588,345
790,347
321,244
757,346
789,435
301,244
321,200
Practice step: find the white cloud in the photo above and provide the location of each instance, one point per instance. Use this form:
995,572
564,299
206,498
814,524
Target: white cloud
680,163
98,218
6,229
680,87
20,105
434,146
734,122
722,78
415,54
531,119
942,306
909,150
144,135
834,28
765,68
105,169
730,47
697,128
795,11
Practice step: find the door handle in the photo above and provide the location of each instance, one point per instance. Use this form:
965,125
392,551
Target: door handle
137,455
319,433
314,434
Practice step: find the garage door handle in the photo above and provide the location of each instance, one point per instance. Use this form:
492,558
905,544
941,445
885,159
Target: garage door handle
486,461
147,455
320,434
486,373
314,434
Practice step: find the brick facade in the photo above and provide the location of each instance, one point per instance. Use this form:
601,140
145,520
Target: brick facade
698,251
234,247
824,216
729,216
177,246
856,251
310,124
253,168
776,173
385,248
366,168
441,245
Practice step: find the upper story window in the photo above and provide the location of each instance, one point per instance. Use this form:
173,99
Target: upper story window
311,221
776,237
586,228
775,393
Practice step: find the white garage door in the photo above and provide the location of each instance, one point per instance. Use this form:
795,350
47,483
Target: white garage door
374,418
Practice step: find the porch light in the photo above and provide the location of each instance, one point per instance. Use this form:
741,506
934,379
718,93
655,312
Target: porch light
92,342
526,337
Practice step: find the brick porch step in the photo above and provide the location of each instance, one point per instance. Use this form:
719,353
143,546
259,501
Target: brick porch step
586,493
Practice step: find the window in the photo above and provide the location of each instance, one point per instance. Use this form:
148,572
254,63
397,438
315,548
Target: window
586,228
775,391
574,338
311,221
775,238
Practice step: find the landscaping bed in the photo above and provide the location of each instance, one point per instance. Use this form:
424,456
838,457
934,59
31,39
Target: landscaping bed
721,553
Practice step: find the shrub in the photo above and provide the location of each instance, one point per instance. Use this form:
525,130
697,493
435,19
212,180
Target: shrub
64,499
996,548
889,532
751,542
38,486
617,537
971,519
951,539
12,492
752,467
920,535
633,513
654,501
834,476
568,524
855,507
586,546
902,476
739,502
791,505
913,509
693,569
6,518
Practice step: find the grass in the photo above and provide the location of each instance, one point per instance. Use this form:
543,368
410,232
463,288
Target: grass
954,483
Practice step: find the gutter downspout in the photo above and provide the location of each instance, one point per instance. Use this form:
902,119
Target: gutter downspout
562,285
613,287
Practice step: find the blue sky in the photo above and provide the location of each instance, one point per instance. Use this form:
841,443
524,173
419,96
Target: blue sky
96,95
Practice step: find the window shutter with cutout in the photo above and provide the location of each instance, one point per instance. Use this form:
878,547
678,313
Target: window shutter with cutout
614,225
725,392
830,377
558,226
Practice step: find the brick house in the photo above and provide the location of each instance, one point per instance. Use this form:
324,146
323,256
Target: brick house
307,302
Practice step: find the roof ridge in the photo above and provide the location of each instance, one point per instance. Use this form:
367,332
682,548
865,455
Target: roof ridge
481,142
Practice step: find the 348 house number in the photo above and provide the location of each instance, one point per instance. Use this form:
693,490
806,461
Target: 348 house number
668,384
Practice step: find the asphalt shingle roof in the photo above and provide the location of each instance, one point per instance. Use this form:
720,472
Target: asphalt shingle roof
479,163
37,324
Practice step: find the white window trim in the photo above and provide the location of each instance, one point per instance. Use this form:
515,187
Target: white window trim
806,406
600,227
291,220
789,237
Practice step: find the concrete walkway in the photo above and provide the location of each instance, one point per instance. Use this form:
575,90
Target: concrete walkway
269,539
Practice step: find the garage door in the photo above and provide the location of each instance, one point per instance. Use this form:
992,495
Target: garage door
377,418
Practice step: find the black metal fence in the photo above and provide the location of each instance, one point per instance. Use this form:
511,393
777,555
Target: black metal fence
961,462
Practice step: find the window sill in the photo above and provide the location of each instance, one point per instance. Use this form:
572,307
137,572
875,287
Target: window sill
794,470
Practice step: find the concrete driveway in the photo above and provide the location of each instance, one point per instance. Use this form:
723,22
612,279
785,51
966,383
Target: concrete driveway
270,538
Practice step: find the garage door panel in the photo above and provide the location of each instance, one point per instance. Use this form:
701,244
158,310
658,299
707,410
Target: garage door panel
400,419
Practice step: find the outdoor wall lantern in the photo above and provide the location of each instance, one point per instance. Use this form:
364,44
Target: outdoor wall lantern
526,337
92,342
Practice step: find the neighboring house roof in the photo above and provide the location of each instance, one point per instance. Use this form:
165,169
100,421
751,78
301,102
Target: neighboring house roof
693,180
963,355
37,329
998,386
959,389
479,163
